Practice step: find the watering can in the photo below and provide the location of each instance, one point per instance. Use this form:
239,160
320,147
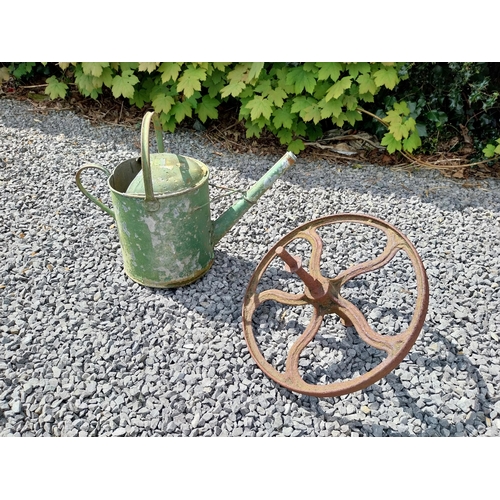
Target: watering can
162,211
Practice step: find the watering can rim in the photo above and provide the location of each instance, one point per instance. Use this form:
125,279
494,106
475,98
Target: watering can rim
203,179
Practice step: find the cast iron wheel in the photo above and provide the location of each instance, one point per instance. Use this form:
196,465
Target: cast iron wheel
323,294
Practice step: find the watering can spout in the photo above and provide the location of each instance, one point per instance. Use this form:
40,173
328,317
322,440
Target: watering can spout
227,219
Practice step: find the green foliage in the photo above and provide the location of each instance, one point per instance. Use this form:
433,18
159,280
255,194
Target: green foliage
4,74
491,150
22,69
55,88
297,101
448,100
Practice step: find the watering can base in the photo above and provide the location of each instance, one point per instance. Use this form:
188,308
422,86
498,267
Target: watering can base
171,283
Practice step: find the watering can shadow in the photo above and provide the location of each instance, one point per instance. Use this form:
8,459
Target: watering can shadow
162,211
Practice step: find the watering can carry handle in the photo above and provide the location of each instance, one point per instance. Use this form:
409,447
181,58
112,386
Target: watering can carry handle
151,201
87,194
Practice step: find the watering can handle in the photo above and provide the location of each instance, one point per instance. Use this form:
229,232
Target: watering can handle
87,194
151,202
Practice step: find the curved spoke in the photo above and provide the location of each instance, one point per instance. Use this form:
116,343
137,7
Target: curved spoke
391,249
367,334
292,362
291,299
317,248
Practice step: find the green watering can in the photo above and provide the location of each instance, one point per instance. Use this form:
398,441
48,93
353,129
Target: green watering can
162,211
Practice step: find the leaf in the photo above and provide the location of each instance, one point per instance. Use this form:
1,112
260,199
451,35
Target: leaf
387,77
412,142
207,108
244,113
282,117
259,106
163,103
300,128
339,120
168,122
169,71
4,74
264,87
190,80
296,146
23,69
337,89
367,97
356,68
234,88
353,116
239,73
393,116
86,83
128,66
301,80
277,96
331,108
311,113
124,84
148,66
301,102
438,117
490,150
255,70
391,143
94,68
55,88
329,70
106,77
193,100
141,96
314,132
402,108
214,84
398,129
421,130
221,66
181,109
350,102
321,89
157,90
253,129
366,84
285,136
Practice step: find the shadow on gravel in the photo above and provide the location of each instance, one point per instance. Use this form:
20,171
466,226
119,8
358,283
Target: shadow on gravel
467,425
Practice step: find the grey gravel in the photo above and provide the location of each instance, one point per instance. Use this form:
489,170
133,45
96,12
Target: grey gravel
84,351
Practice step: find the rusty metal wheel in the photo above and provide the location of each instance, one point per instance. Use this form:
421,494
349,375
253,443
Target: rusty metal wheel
323,294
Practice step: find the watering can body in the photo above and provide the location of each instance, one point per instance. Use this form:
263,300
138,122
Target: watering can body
162,211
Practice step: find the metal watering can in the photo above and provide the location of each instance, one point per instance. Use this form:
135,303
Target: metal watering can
162,212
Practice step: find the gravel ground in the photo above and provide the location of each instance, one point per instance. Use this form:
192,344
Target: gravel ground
84,351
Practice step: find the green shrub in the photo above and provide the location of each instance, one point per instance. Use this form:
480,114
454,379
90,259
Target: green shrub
451,100
298,101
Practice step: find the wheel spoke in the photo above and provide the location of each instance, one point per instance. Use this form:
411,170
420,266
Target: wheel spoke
317,248
393,246
291,299
292,362
381,342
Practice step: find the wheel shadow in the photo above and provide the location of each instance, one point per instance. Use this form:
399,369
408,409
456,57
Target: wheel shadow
469,425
